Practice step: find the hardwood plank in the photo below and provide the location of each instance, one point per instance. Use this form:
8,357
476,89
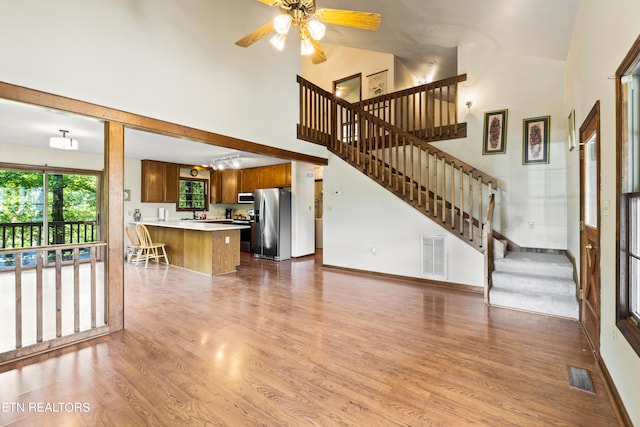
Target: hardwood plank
292,343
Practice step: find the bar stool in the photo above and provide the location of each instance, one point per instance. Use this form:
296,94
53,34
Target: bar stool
149,249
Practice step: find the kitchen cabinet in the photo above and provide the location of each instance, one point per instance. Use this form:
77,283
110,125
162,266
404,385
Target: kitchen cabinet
281,175
159,182
250,180
215,187
275,176
230,185
266,177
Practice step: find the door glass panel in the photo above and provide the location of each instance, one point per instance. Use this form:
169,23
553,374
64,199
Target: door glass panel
591,179
72,211
21,214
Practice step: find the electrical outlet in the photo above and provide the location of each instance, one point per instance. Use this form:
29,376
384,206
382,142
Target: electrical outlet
226,239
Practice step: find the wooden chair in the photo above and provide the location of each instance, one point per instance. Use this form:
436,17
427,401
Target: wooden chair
149,249
134,242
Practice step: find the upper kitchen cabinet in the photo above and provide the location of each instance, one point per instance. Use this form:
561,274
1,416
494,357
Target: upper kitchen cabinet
281,175
250,180
215,187
159,182
230,185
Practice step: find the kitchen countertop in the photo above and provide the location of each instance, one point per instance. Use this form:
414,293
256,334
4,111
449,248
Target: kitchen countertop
200,225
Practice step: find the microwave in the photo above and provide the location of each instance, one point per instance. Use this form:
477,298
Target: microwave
245,197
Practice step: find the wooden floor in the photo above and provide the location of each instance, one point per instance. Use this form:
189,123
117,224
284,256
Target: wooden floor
294,344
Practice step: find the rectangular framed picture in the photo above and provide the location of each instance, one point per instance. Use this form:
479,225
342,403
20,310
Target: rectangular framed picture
495,132
535,140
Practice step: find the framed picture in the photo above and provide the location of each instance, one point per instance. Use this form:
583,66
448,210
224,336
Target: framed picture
349,88
495,132
535,140
377,83
571,130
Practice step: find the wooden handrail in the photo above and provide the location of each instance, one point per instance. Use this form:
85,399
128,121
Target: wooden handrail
443,187
428,111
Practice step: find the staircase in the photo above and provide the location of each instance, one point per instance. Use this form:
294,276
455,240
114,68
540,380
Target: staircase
388,139
537,282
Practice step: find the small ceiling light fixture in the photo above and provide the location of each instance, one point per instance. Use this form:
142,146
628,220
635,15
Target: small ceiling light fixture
63,142
228,162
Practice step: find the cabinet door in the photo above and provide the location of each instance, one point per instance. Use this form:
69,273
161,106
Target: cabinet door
230,186
266,177
171,179
282,175
152,181
215,187
250,180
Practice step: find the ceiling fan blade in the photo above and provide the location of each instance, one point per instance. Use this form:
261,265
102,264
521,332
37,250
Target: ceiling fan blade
318,56
270,2
253,37
350,18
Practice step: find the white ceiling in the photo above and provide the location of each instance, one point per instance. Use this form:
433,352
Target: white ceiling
422,33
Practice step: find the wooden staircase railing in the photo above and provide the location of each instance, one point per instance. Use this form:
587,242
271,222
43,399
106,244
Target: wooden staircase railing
427,111
437,184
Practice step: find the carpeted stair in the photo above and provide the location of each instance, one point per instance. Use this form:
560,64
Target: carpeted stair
537,282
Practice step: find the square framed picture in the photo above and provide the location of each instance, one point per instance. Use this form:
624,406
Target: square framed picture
495,132
535,140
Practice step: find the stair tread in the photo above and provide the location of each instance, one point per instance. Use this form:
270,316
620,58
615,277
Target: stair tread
558,305
532,285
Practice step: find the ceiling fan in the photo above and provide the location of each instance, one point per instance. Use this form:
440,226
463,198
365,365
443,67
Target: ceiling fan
309,21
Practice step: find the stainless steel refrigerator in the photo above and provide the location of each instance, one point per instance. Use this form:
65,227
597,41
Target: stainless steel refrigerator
272,229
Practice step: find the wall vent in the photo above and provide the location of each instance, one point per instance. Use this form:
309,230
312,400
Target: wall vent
433,255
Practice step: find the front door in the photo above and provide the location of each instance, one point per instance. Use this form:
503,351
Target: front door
589,226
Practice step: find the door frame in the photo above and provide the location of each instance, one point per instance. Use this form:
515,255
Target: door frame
590,236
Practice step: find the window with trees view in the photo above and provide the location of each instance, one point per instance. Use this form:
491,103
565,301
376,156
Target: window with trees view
628,188
40,208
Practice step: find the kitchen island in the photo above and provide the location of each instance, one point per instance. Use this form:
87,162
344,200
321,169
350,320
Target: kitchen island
205,246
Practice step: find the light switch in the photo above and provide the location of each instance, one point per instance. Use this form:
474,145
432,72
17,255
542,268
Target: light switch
226,239
606,208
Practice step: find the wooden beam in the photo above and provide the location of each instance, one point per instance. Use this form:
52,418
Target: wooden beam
136,121
113,190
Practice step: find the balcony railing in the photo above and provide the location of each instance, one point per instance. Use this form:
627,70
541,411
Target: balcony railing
18,235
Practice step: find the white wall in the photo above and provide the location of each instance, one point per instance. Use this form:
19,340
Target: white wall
359,215
345,61
170,60
603,34
533,195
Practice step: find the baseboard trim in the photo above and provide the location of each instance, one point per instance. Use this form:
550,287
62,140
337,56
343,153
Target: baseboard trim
412,280
614,397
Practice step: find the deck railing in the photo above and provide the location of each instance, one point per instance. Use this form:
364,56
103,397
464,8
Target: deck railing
53,306
31,234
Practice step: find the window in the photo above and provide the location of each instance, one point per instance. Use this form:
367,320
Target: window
628,189
192,195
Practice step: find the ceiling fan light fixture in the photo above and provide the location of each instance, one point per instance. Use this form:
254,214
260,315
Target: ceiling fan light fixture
63,142
316,28
306,47
278,41
282,23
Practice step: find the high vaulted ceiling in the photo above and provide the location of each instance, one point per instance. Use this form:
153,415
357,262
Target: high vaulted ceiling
426,33
422,33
